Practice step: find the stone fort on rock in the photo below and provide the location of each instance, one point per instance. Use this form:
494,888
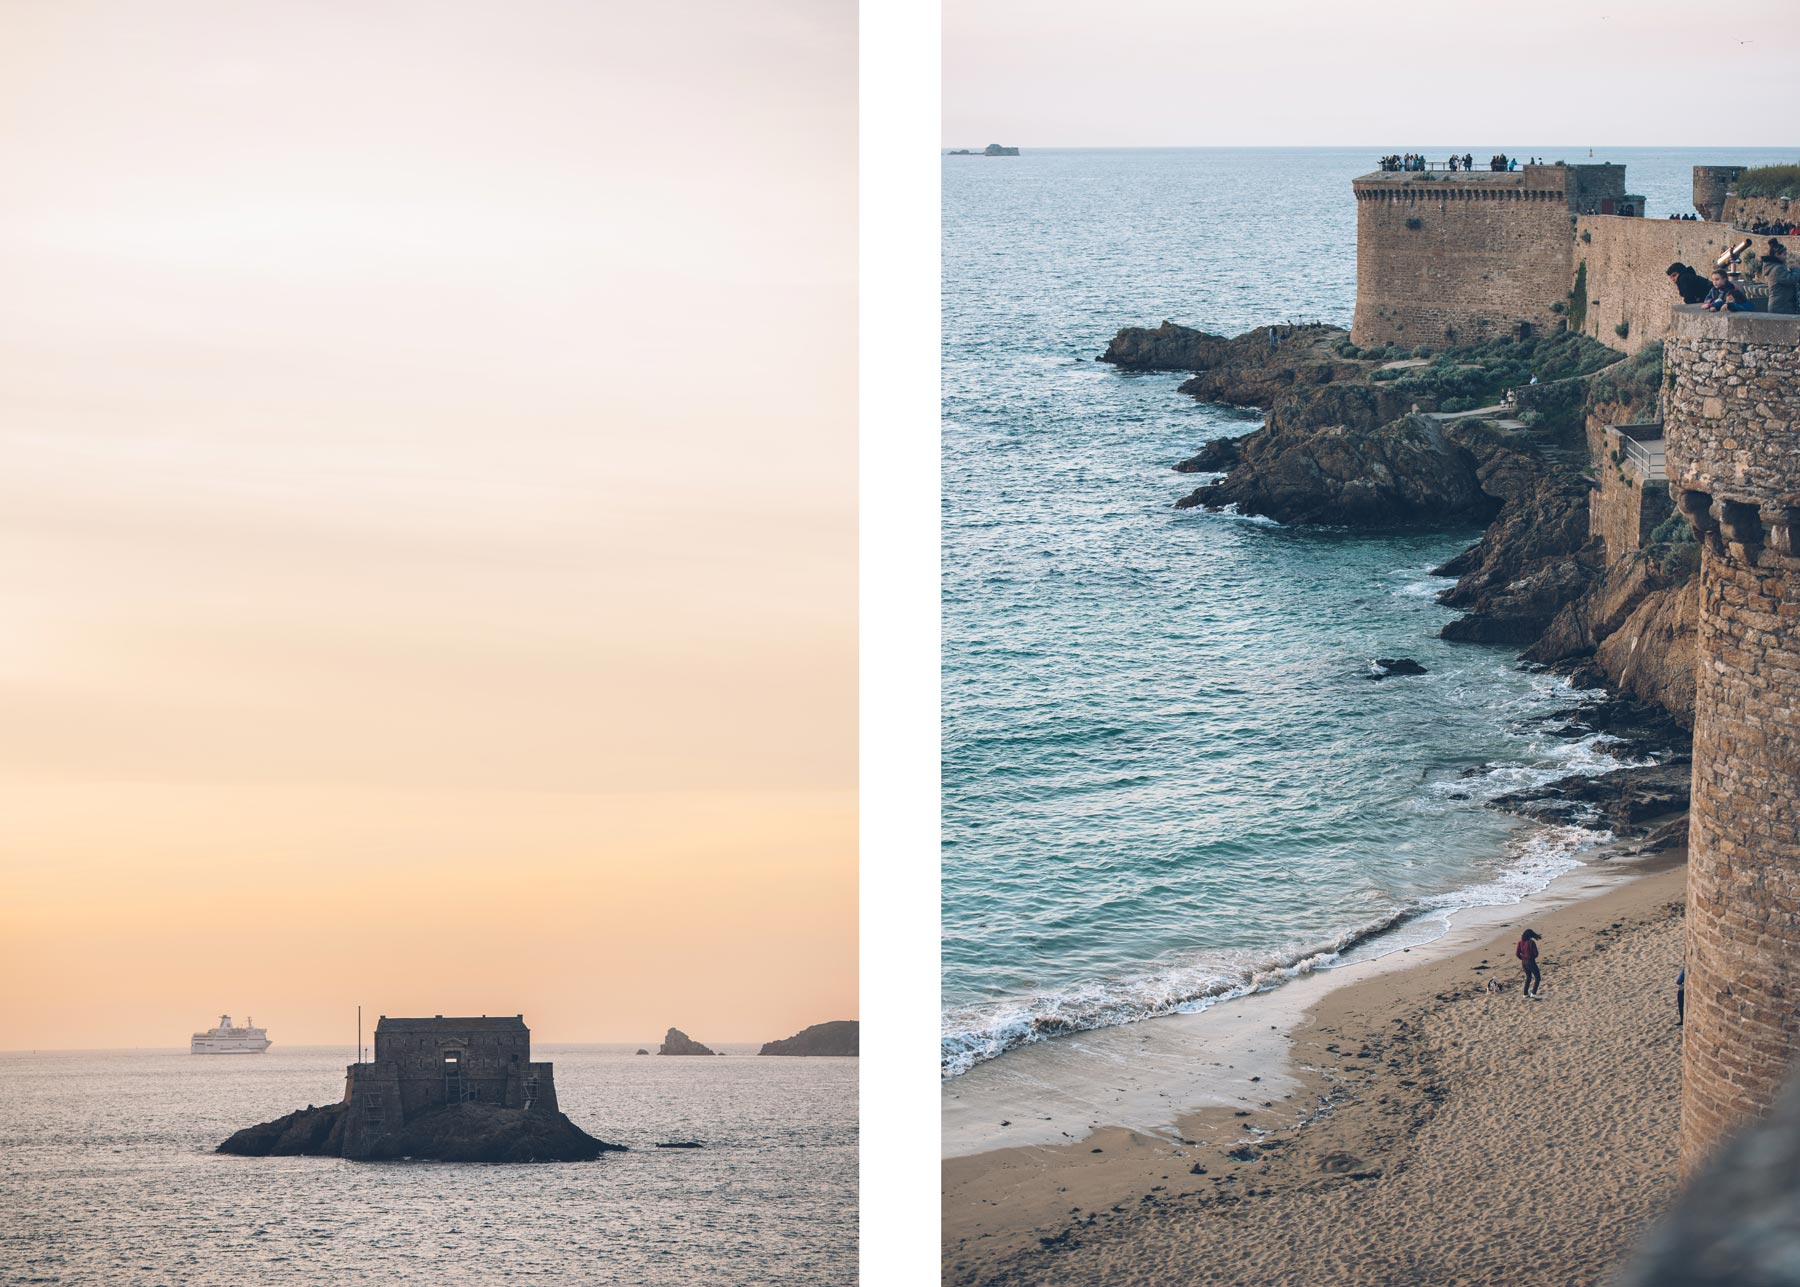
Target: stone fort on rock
1448,258
421,1064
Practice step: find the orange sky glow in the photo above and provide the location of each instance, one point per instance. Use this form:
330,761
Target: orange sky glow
427,532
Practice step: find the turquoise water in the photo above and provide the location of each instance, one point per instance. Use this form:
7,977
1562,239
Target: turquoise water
1167,777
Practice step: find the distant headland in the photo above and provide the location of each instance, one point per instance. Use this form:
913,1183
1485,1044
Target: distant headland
992,149
839,1037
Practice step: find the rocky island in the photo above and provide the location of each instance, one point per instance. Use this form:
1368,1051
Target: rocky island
442,1090
677,1042
839,1037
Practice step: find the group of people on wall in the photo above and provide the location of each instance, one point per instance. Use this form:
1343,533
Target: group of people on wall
1416,161
1722,293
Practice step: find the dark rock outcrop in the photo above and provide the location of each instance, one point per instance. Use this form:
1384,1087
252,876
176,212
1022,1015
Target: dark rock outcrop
1533,559
468,1132
677,1042
1636,627
839,1037
306,1132
1387,667
1165,348
1215,457
1406,473
1627,801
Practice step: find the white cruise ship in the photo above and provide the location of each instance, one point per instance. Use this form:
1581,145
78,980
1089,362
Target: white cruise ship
227,1040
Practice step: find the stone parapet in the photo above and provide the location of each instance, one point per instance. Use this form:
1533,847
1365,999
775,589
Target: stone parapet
1731,404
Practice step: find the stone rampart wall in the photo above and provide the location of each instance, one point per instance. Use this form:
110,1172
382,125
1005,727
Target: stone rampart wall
1627,280
1747,210
1732,422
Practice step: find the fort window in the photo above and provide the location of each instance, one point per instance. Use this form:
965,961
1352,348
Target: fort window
453,1077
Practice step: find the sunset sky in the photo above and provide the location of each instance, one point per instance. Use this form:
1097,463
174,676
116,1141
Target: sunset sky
1383,73
427,533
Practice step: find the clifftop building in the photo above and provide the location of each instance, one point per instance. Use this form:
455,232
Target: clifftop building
1458,256
421,1064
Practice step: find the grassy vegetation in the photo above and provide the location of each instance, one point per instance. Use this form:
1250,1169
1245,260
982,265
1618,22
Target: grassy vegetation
1633,382
1769,181
1476,375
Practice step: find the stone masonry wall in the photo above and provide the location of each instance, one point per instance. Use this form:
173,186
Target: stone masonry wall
1711,184
1746,210
1732,418
1627,272
1489,250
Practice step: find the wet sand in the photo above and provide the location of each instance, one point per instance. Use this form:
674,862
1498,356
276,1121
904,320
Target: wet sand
1415,1128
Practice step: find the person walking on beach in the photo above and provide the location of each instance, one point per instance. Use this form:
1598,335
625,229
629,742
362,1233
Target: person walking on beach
1527,952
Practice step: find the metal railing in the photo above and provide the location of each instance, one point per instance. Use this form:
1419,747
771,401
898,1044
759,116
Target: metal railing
1646,457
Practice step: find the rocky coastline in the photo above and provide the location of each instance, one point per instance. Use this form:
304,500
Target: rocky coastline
1383,439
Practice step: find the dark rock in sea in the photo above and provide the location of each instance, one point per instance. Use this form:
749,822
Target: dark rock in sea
838,1037
1215,457
306,1132
642,1051
1386,667
1625,800
682,1144
1407,473
468,1132
677,1042
1165,348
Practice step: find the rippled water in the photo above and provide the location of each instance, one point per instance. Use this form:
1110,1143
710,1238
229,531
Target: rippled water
1166,775
107,1176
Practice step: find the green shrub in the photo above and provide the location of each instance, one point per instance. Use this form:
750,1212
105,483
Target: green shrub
1414,223
1673,530
1769,181
1622,330
1559,307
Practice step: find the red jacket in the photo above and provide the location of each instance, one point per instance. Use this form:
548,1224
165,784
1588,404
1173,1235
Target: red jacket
1527,950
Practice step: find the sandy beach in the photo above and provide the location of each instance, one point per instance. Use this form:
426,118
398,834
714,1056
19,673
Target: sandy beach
1416,1127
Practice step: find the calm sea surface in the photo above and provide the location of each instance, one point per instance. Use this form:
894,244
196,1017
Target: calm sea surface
107,1176
1166,775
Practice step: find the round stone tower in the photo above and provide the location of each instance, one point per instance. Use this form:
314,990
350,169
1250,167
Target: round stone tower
1711,183
1731,412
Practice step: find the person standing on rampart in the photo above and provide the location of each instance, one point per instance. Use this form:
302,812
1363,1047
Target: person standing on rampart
1781,279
